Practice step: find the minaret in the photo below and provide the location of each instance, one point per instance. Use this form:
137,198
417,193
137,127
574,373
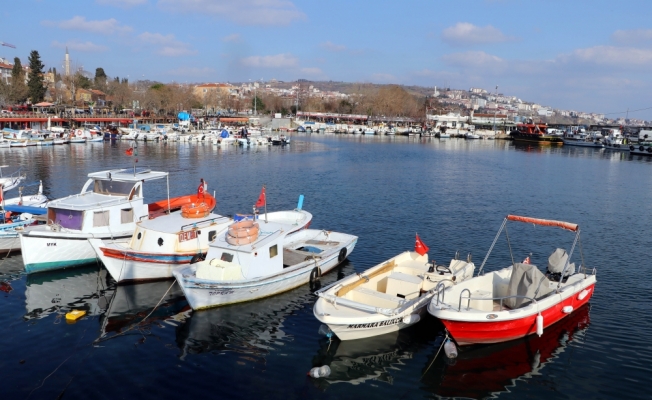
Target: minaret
67,63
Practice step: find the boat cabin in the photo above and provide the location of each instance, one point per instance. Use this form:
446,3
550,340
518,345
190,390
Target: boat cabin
110,199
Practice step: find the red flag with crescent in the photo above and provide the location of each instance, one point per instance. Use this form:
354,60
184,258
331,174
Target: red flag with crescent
130,151
262,199
420,247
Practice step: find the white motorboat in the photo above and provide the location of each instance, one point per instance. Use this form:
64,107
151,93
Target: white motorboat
613,140
387,297
36,200
5,143
516,301
581,139
273,257
108,207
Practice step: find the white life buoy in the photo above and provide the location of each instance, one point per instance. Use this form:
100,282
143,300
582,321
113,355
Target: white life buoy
79,132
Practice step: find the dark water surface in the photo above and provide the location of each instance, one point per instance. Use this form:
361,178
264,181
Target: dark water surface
454,193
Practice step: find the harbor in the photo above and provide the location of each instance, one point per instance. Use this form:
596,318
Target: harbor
144,338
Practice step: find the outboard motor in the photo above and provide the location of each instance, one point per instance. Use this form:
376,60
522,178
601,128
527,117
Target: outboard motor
556,263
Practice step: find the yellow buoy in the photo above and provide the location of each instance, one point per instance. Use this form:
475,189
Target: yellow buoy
74,315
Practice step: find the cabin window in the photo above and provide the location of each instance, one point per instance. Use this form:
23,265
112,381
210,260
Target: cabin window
228,257
114,188
212,235
100,218
126,215
273,251
66,218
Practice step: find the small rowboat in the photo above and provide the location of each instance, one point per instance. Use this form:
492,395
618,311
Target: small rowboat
516,301
390,296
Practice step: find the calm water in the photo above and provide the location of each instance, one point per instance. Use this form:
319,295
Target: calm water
454,193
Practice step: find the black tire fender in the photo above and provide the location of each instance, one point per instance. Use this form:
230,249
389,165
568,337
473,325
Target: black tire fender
315,274
342,256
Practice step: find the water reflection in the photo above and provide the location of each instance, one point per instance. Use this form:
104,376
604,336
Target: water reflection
144,304
378,358
61,291
253,329
480,371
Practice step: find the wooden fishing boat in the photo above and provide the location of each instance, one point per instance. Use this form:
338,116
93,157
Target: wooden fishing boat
516,301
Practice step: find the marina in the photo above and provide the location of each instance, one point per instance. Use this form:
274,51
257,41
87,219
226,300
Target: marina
146,340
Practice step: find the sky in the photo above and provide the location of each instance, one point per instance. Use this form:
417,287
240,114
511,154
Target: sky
590,56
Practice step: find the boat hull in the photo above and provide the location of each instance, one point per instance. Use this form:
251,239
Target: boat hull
204,294
49,251
537,139
496,331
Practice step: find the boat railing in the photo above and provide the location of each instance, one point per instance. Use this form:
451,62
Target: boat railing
210,220
501,299
106,202
440,289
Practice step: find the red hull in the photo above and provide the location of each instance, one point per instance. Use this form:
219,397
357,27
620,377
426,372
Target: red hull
501,331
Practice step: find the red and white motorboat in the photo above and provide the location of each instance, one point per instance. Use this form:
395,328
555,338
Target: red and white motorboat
516,301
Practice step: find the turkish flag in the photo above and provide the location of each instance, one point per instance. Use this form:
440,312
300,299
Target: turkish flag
262,199
130,151
420,247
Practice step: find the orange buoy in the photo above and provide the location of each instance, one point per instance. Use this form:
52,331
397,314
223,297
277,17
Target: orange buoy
195,210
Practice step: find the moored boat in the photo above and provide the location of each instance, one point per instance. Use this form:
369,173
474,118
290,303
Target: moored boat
535,133
108,207
387,297
276,257
516,301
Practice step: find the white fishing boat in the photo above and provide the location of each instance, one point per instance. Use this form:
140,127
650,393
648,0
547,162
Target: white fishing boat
158,245
8,182
10,232
581,139
516,301
261,259
108,207
387,297
5,143
613,139
36,200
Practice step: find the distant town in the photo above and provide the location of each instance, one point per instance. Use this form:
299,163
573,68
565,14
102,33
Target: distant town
75,90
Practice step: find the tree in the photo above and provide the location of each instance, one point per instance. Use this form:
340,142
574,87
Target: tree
35,84
19,92
257,102
100,78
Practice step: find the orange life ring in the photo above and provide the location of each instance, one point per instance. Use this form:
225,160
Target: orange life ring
195,210
244,229
243,232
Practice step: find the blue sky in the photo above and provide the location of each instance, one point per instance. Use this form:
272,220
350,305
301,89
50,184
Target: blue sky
592,56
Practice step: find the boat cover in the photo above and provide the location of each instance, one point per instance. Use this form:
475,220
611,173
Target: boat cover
528,281
28,209
557,261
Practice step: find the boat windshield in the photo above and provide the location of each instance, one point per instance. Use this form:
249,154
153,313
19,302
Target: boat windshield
115,188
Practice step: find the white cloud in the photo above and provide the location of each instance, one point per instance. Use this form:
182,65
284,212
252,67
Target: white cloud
332,46
464,33
78,23
245,12
609,56
75,45
234,38
121,3
629,37
472,59
166,45
276,61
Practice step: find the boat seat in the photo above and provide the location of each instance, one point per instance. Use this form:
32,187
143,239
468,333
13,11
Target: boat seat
482,300
373,298
403,285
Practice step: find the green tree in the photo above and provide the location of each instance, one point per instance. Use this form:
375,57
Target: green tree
35,84
100,78
257,102
84,82
19,92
